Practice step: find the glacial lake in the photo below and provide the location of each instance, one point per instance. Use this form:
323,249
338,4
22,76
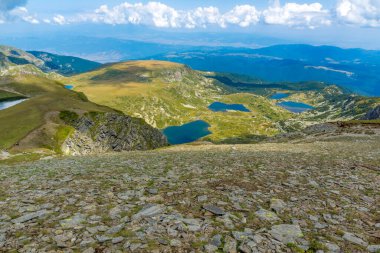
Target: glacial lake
222,107
295,106
279,96
6,104
186,133
69,86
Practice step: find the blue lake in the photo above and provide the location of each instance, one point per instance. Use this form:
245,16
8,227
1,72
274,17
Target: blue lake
222,107
6,104
69,87
279,96
187,133
295,106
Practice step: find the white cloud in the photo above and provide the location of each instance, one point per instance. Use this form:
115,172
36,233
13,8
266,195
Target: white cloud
160,15
59,20
359,12
23,13
14,9
293,14
297,15
242,15
152,13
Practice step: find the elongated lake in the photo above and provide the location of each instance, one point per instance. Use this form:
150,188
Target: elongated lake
188,132
279,96
6,104
295,106
222,107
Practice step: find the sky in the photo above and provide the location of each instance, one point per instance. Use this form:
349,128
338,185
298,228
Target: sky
346,23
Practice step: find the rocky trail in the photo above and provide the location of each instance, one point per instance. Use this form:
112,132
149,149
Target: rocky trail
276,197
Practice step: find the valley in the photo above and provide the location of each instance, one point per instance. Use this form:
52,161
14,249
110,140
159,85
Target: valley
216,162
167,94
190,126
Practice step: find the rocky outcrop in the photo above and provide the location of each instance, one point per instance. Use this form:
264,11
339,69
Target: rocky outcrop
373,114
105,132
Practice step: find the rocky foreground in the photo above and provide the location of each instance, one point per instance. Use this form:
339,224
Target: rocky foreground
316,196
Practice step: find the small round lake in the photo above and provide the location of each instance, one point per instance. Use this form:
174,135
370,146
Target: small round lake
186,133
222,107
279,96
6,104
295,106
69,87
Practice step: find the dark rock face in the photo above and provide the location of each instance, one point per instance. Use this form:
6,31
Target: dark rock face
104,132
373,114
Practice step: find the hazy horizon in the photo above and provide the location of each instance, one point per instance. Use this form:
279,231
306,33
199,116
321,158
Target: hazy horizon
342,23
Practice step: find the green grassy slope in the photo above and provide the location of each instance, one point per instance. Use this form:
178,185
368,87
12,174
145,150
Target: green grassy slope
45,99
65,65
166,94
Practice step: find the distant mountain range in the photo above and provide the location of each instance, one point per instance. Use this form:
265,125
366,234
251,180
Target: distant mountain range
160,93
355,69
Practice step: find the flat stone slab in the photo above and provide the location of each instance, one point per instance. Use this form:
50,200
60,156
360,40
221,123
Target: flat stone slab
267,215
149,212
354,239
74,221
30,216
286,233
214,209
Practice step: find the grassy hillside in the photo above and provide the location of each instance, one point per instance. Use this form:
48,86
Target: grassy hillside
65,65
166,94
34,122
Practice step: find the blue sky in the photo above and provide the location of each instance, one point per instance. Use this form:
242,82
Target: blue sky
346,23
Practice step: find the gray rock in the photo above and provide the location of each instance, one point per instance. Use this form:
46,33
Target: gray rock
110,136
89,250
202,198
175,243
163,241
210,248
149,212
152,191
117,240
214,209
30,216
115,229
115,213
5,217
216,240
102,238
230,245
74,221
277,205
286,233
135,246
2,240
354,239
267,215
240,236
374,248
332,247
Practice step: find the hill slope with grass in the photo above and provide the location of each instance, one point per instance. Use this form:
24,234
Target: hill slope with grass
64,65
37,122
169,94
